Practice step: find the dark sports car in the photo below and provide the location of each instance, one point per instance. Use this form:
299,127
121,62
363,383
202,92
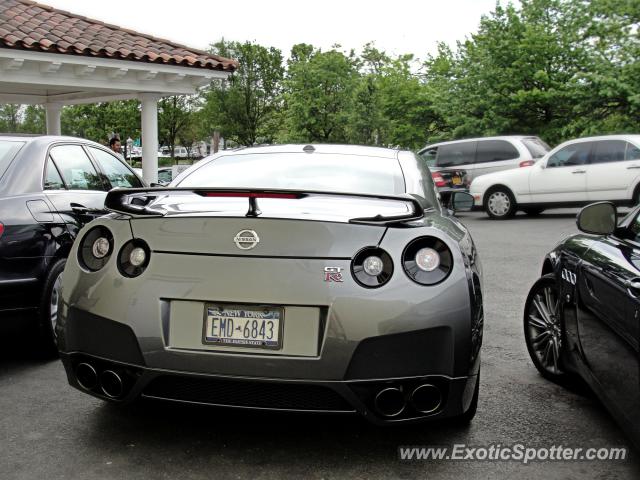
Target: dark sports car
49,188
582,316
311,278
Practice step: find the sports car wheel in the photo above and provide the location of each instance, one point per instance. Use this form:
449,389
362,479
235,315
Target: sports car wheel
500,204
48,315
543,328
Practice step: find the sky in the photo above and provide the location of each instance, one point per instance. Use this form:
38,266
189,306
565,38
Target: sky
396,26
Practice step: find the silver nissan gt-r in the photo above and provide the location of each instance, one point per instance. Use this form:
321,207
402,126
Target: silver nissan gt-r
302,278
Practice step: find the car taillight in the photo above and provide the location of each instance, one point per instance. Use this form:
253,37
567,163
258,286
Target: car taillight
133,258
438,180
427,260
372,267
95,248
526,163
1,228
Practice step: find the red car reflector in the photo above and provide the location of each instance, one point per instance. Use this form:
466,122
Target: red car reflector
438,180
526,163
251,195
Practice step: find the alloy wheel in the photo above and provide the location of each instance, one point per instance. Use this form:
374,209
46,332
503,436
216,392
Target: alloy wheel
53,304
543,328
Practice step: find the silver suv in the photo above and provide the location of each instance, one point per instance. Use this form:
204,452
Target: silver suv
478,156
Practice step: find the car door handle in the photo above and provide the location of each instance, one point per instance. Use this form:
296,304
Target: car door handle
579,171
632,167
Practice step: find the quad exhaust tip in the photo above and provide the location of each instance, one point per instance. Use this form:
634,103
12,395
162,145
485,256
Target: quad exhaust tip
111,384
426,398
86,376
390,402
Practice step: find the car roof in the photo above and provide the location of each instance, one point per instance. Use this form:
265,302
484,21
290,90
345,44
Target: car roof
622,136
460,140
44,139
320,148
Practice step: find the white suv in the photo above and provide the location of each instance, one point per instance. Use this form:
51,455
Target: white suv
573,174
479,156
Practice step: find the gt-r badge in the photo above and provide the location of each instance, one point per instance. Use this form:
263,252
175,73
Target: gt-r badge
333,274
246,239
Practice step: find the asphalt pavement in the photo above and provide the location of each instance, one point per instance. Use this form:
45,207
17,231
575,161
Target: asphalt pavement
49,430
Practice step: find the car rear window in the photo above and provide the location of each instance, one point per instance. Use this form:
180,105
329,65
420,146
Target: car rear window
453,154
537,148
8,151
323,172
495,151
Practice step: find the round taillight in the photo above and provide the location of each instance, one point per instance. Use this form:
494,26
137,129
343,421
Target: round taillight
372,267
427,260
95,248
133,258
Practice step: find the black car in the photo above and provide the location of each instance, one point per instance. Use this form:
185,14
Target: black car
49,188
582,316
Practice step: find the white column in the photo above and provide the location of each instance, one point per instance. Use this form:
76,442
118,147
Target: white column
53,118
149,137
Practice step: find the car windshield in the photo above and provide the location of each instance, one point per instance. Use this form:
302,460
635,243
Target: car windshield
537,148
8,150
325,172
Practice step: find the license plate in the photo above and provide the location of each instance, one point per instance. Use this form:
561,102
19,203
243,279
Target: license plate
456,180
243,326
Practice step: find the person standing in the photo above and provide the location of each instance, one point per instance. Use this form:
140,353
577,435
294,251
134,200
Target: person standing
115,145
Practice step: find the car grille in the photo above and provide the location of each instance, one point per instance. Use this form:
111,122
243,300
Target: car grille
279,396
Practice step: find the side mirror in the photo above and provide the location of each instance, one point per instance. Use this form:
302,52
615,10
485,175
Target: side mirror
598,218
462,201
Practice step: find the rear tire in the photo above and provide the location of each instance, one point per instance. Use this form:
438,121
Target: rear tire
500,204
48,312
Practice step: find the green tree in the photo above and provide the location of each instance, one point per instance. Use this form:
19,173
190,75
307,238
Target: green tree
174,116
319,95
99,121
10,118
244,107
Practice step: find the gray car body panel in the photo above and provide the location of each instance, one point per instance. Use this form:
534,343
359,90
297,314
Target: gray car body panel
194,261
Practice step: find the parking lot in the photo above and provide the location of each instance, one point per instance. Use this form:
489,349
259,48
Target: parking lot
47,429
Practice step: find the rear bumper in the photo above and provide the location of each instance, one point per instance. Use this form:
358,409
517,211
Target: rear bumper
355,397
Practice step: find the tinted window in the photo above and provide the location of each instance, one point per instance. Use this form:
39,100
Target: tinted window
76,168
117,173
607,151
632,153
495,151
301,171
429,156
53,180
537,148
8,151
576,154
461,153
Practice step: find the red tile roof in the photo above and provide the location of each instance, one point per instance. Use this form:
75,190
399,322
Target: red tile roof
27,25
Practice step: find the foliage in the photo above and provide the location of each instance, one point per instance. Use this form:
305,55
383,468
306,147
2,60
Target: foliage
554,68
243,106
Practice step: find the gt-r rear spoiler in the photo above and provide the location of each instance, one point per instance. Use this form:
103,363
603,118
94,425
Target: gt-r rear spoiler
136,201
